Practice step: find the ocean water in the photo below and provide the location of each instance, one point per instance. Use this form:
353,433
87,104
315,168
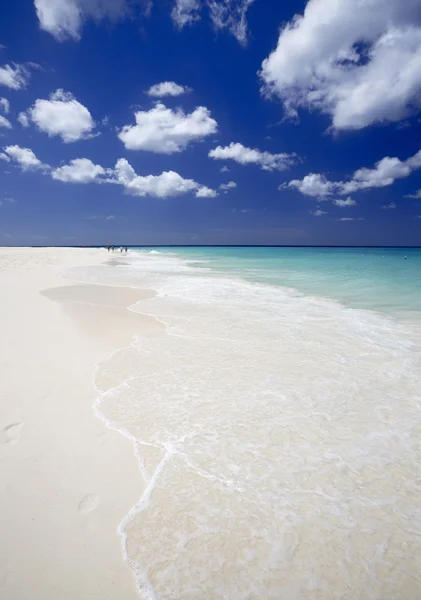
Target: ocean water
276,420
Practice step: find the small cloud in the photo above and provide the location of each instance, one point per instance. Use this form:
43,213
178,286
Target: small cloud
418,217
224,170
7,235
343,203
23,119
101,217
167,88
4,105
228,186
105,120
416,195
318,212
245,210
350,219
388,206
5,122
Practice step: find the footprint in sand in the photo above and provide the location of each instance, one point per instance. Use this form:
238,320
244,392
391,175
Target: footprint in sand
12,433
88,503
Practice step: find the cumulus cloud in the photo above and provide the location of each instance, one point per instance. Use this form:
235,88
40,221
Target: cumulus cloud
169,183
231,15
357,63
167,88
61,115
205,192
389,206
344,203
23,119
228,186
25,158
4,157
318,212
64,19
384,173
166,131
313,184
5,122
14,77
246,156
4,105
185,12
224,169
81,170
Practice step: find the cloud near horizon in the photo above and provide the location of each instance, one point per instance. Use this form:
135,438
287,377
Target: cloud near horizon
84,171
384,173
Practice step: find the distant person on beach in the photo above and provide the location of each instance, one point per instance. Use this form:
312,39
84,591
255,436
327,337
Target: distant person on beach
112,248
108,248
125,249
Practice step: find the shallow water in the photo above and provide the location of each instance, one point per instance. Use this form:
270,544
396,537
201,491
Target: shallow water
278,435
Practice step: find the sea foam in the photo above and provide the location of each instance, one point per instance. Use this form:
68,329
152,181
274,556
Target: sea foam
277,435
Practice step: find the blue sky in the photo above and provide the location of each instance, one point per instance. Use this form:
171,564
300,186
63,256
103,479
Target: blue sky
210,122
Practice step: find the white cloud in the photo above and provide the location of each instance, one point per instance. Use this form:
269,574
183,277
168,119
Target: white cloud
15,77
4,105
384,173
24,157
359,63
228,186
185,12
23,119
80,170
313,184
4,157
64,19
167,88
62,115
350,219
231,15
224,169
318,212
246,156
205,192
343,203
416,195
5,122
165,131
169,183
389,206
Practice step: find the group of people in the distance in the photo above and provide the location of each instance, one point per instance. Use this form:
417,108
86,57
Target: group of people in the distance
122,249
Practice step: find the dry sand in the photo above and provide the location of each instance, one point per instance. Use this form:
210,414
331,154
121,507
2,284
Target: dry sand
66,480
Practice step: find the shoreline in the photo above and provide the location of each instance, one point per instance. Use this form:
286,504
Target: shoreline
68,481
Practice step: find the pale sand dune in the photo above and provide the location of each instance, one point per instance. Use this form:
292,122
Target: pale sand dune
66,480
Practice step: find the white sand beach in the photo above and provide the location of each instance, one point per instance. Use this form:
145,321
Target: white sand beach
172,432
66,480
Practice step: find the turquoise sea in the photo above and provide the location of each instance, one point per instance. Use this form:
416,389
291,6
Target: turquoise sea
387,280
